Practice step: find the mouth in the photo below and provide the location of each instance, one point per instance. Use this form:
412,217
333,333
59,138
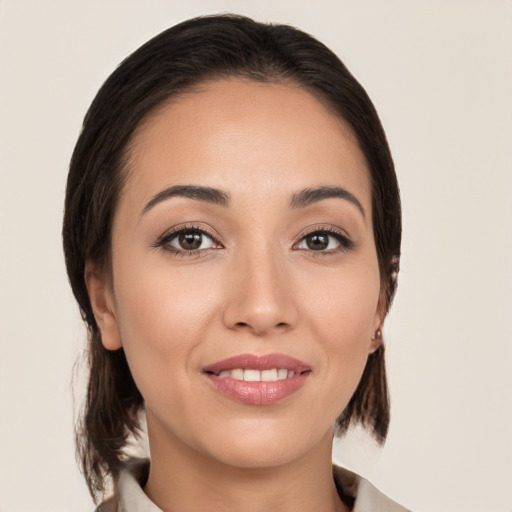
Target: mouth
258,380
254,375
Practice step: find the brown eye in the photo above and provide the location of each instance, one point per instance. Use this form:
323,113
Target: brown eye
327,242
190,241
317,242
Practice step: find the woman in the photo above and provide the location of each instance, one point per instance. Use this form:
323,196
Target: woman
232,233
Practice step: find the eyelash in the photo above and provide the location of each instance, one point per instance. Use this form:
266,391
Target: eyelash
165,240
345,244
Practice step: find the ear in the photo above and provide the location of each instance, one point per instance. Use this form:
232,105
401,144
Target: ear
102,304
387,292
378,322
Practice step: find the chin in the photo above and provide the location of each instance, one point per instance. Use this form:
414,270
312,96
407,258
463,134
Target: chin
256,456
263,444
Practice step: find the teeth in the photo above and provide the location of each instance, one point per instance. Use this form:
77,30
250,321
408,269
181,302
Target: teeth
237,374
269,375
250,375
282,374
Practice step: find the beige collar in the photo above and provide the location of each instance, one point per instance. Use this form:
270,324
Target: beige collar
130,496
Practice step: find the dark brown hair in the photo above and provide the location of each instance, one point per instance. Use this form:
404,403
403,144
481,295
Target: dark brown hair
200,49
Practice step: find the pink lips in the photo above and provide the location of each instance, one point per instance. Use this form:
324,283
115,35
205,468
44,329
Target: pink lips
258,392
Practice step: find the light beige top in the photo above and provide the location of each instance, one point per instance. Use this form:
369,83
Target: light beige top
131,498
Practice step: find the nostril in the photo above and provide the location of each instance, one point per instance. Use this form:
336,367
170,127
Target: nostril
257,328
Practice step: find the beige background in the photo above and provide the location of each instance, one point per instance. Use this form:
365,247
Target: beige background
440,74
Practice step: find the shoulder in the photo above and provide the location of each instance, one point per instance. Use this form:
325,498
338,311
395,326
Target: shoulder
367,498
109,505
129,495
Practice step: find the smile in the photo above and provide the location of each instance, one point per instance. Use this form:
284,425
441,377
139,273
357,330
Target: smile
251,375
258,380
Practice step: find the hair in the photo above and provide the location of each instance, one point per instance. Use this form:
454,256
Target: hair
181,57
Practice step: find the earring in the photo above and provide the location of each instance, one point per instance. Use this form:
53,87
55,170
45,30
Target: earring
377,335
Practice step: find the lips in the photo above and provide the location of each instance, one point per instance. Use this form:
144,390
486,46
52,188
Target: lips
258,380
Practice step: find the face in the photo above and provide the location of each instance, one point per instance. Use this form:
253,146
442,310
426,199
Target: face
245,285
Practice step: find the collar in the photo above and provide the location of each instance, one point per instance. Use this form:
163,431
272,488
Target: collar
130,496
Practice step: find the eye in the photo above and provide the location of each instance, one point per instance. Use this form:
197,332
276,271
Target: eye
187,241
325,241
191,241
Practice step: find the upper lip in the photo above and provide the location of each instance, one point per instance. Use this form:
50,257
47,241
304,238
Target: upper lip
258,362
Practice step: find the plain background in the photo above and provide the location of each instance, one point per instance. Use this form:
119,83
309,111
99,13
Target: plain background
440,74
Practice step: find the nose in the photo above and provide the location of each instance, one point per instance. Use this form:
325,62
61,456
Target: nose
260,298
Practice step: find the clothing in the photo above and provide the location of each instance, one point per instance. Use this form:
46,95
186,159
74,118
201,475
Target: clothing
131,497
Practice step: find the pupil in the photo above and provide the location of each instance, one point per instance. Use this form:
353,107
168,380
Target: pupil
317,242
190,241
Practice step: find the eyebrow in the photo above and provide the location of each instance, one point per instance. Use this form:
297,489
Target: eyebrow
219,197
207,194
313,195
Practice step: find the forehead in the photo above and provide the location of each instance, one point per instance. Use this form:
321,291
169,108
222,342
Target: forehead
240,134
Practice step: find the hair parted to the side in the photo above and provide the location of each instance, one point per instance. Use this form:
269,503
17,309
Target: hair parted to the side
200,49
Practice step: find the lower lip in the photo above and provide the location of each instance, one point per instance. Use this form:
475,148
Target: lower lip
258,393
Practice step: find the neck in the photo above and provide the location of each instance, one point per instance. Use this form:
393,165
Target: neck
183,480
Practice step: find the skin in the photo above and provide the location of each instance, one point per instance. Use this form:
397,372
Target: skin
254,287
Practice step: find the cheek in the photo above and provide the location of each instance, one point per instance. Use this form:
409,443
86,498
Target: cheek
344,304
155,295
162,317
343,317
